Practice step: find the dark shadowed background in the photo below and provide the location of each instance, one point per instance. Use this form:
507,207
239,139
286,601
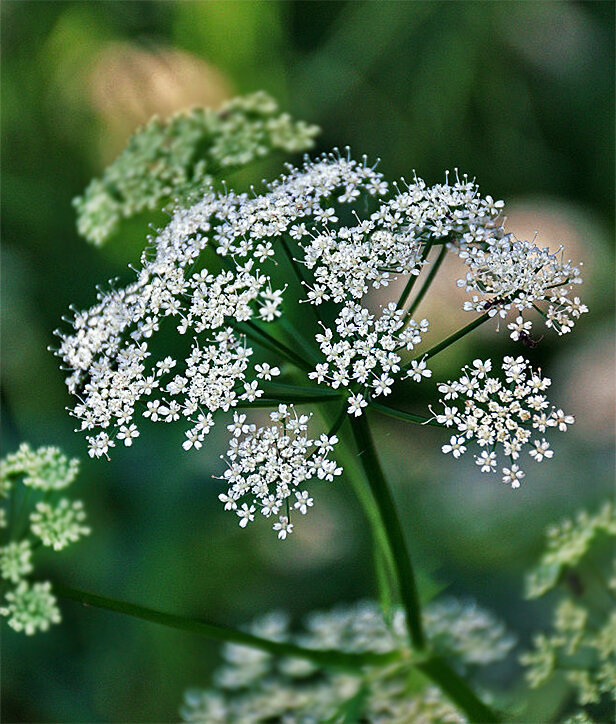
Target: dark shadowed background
518,94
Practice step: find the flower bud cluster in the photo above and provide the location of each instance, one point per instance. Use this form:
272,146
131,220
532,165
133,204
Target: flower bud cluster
581,645
508,274
53,523
499,415
254,686
567,543
179,159
269,467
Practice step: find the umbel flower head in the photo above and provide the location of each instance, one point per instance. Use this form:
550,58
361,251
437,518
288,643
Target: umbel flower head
514,274
500,415
54,523
253,686
269,467
209,277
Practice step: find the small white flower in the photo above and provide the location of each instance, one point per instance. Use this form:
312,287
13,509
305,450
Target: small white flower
382,385
128,434
562,420
246,515
194,440
228,501
512,476
356,403
541,450
251,391
455,447
284,527
266,372
419,370
303,502
487,461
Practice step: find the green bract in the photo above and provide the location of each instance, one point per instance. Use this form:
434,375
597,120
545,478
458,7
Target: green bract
179,159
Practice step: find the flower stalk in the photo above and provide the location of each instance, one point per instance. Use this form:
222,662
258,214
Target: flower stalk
350,662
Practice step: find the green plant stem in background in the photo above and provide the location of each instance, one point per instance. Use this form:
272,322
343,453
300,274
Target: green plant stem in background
273,389
401,415
456,688
323,657
277,346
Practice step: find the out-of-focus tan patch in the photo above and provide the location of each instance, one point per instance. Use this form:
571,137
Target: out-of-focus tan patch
129,84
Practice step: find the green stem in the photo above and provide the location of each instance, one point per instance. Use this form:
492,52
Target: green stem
429,279
413,280
298,273
401,415
296,270
281,397
354,474
323,657
263,342
280,347
451,339
387,509
339,421
299,339
454,686
275,388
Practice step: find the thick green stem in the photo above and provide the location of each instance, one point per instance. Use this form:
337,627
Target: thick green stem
323,657
404,568
356,478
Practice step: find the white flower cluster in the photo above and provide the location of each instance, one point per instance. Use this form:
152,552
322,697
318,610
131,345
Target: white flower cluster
511,274
210,274
253,686
500,415
347,261
269,467
467,632
31,607
364,352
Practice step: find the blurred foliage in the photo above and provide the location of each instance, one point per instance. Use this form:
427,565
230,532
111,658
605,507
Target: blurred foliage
521,95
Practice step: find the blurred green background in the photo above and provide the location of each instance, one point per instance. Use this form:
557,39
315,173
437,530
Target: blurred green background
518,94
